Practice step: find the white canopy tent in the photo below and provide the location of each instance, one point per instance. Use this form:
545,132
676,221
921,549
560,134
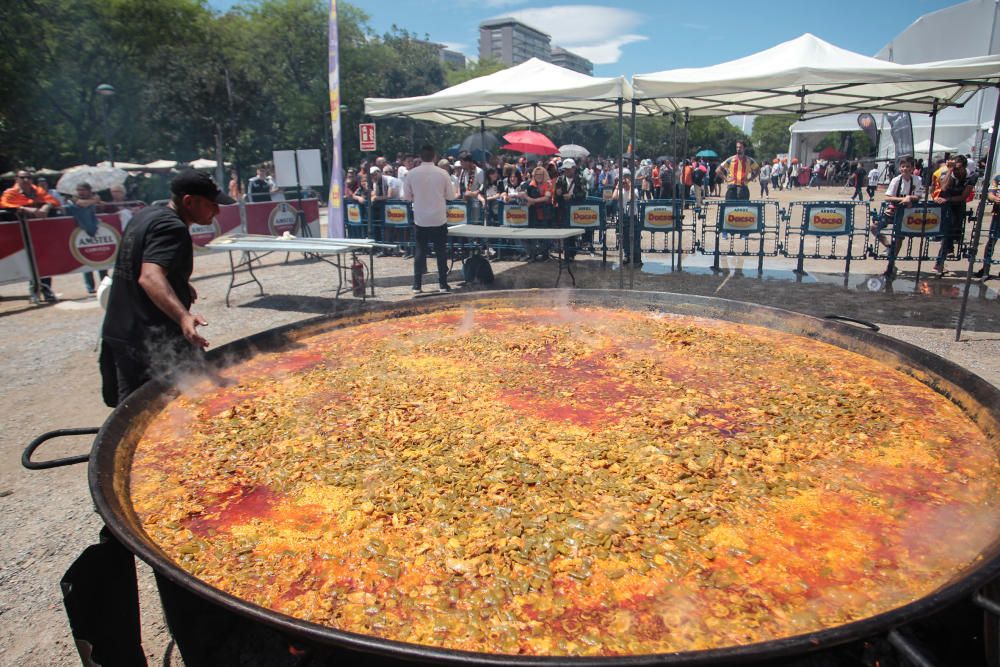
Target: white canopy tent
809,77
532,93
922,147
812,78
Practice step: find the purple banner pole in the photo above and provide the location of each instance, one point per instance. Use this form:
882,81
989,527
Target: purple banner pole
335,209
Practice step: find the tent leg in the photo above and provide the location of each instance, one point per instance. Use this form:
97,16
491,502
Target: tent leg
621,195
635,240
980,212
928,170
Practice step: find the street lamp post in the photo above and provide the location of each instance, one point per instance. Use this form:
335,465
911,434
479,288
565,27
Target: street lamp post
106,90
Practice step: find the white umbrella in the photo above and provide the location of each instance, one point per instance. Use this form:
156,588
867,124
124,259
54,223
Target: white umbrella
203,163
160,165
574,151
127,166
99,178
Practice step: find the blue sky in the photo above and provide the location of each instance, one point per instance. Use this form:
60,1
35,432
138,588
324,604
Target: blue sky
649,35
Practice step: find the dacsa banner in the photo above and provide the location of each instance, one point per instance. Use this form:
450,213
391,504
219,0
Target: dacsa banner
741,218
353,213
659,217
830,220
457,212
920,221
587,216
397,214
515,215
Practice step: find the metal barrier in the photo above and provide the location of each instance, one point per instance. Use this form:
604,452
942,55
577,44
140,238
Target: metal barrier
826,230
355,220
913,231
398,224
665,219
591,215
737,225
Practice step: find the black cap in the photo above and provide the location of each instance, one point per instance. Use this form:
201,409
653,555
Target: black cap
191,182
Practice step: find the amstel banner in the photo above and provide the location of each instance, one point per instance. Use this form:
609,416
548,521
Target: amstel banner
824,220
587,216
514,215
272,218
457,212
744,218
659,215
921,221
397,213
61,246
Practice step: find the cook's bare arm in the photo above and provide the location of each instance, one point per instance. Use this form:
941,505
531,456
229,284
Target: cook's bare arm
153,279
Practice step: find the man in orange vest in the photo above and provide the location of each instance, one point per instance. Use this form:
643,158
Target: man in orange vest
738,171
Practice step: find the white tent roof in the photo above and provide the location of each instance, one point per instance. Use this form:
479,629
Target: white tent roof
203,163
532,93
810,77
923,147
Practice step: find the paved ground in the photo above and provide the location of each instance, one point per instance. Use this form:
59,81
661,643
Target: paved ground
51,381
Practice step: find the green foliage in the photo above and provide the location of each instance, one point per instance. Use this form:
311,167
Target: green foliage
771,135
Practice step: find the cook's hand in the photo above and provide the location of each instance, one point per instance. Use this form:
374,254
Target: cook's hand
940,200
189,326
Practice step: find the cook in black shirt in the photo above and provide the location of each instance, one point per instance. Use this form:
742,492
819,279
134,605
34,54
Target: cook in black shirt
149,328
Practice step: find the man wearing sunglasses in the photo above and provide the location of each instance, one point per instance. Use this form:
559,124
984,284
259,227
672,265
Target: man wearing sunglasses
149,330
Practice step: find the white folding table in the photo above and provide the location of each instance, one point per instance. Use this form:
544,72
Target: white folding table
560,235
254,247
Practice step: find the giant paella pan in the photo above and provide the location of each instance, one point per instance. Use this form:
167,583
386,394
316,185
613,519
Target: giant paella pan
547,476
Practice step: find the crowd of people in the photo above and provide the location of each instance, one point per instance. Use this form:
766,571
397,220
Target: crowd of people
33,198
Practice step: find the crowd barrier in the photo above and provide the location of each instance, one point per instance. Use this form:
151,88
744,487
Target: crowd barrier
834,230
59,246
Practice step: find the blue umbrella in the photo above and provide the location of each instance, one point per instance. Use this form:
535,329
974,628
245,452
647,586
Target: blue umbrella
706,152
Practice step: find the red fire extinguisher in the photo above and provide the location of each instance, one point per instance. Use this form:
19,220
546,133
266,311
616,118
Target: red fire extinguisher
357,276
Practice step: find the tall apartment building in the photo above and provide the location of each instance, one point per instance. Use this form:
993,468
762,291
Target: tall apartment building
512,42
570,60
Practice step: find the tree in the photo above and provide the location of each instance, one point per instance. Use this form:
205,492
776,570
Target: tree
771,134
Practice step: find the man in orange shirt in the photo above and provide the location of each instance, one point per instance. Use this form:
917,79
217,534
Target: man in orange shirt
738,170
26,197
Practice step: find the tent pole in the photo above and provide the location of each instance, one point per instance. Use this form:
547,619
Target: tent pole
482,139
980,212
635,242
930,171
621,195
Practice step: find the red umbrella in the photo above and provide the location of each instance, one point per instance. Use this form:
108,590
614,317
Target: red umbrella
830,153
527,141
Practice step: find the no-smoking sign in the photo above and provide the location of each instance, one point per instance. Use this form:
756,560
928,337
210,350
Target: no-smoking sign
367,133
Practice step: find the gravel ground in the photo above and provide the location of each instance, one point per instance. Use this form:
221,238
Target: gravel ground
51,381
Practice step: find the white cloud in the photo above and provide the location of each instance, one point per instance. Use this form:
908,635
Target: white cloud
605,53
455,46
596,33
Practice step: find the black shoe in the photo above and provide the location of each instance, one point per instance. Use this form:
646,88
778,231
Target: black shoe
638,262
980,273
444,289
625,261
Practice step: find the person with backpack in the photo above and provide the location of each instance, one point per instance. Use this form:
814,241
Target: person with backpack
698,174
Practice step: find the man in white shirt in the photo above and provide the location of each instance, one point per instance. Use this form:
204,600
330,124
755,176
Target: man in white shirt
429,188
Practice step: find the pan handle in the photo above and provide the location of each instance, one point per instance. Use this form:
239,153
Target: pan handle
55,463
844,318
